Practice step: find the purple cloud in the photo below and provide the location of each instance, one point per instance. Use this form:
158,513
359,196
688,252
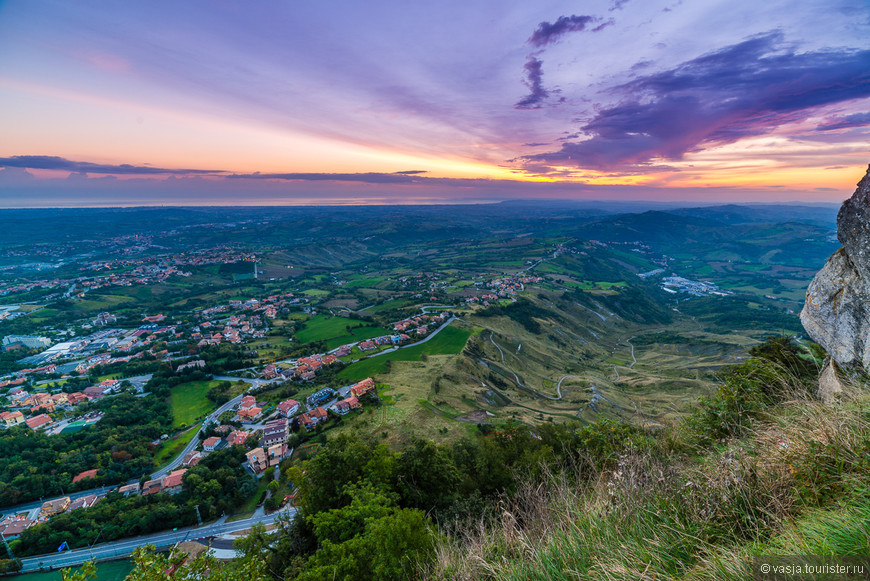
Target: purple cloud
534,71
550,32
742,90
617,5
846,122
82,167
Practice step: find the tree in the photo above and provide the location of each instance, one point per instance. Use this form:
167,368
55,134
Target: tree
346,459
427,476
371,538
154,566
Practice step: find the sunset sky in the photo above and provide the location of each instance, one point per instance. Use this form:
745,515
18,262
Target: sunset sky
280,102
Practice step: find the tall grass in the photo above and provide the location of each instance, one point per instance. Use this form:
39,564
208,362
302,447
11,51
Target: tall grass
784,475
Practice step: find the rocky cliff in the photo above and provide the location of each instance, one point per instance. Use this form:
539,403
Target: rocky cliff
837,310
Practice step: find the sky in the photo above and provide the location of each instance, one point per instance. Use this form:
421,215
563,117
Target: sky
214,102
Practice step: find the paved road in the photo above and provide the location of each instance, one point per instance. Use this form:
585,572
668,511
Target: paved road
125,547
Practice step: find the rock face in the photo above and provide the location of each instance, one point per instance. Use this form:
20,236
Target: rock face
837,310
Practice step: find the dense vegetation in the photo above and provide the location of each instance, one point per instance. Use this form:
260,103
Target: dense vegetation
217,485
35,465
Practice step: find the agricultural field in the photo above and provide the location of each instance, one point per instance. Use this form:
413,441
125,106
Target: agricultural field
337,331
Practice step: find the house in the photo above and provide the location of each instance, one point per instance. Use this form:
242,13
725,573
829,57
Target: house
275,432
343,350
38,422
46,407
308,376
211,444
250,414
238,438
248,402
190,457
288,408
60,398
86,474
257,460
223,429
53,507
364,387
12,418
276,453
84,502
173,482
346,405
321,396
367,346
76,398
12,526
310,419
110,385
129,489
152,487
96,391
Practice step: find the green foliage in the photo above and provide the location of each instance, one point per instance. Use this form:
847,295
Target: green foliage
35,465
347,459
775,372
427,476
371,538
220,393
155,566
9,566
217,484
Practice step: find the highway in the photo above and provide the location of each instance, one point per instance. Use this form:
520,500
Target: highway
125,547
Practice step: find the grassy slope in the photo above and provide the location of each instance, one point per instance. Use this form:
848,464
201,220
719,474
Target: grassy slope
189,402
795,484
172,447
449,340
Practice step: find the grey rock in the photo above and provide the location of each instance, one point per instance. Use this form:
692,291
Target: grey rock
830,386
836,313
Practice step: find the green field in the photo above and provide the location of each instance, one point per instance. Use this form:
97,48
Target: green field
189,402
334,331
449,341
389,305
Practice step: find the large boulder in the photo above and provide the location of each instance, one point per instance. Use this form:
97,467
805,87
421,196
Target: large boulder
837,309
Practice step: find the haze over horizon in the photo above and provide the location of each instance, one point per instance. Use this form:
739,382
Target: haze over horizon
229,104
